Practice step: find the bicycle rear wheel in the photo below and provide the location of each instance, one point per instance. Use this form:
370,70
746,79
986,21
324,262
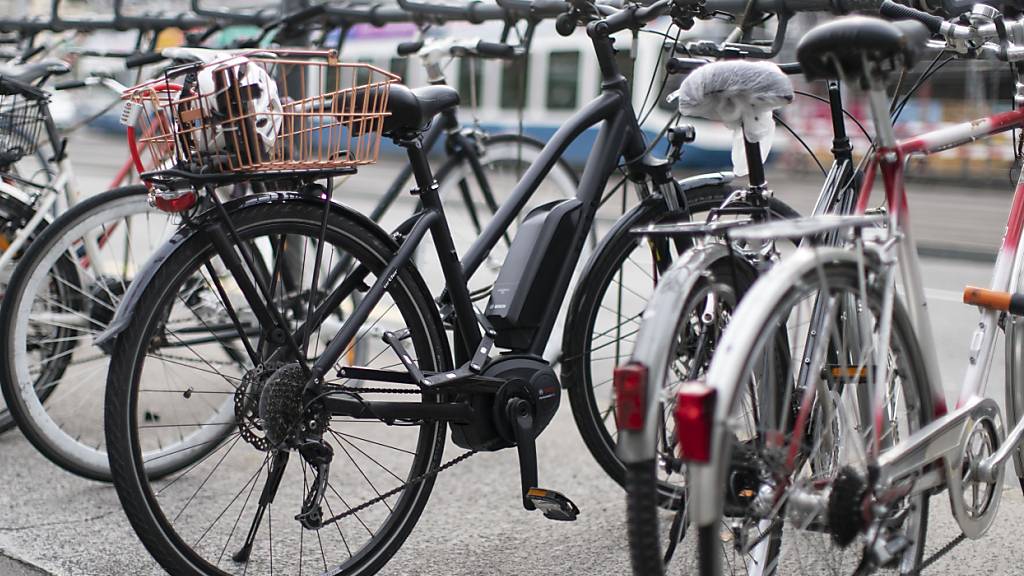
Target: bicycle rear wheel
197,521
796,456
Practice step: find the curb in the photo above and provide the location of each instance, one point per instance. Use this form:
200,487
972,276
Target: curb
11,565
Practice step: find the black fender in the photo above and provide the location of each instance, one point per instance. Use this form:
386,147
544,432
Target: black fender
198,225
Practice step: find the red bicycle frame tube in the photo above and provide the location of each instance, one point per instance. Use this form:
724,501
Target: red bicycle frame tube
891,162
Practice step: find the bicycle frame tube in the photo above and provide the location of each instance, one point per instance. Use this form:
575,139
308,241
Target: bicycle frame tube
890,160
607,106
51,198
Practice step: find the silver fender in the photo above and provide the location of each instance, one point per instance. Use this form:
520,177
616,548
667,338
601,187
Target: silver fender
654,343
707,480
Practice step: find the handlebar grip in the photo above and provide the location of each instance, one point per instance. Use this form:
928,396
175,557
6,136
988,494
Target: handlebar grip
407,48
791,68
143,58
895,11
548,8
70,85
297,16
683,65
495,49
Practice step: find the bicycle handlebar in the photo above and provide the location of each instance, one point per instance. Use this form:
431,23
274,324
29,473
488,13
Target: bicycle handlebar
789,6
537,9
896,11
142,59
70,85
375,15
303,15
457,48
475,12
687,65
408,48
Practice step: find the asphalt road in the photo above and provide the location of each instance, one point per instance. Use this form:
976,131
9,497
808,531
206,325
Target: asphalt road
54,523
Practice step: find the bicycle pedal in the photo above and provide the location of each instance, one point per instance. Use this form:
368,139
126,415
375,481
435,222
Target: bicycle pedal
554,505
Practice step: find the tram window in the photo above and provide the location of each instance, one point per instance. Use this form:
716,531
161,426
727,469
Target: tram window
514,74
399,65
563,80
470,73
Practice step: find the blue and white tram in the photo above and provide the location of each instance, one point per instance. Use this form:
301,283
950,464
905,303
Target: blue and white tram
561,75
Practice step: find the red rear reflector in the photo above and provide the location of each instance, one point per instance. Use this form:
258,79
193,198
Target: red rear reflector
630,391
177,203
695,410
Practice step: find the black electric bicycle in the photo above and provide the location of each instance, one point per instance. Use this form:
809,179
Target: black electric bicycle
368,440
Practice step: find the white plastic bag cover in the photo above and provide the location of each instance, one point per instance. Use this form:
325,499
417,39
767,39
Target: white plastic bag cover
740,94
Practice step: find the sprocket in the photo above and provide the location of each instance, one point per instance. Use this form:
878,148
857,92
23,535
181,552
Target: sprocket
247,399
845,505
282,409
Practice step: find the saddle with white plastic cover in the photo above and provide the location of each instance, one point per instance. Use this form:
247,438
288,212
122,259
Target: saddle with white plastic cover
740,94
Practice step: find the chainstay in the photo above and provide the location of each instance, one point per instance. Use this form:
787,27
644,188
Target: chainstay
415,481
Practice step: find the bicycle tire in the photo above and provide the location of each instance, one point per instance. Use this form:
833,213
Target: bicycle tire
610,257
89,301
369,245
12,211
645,491
776,302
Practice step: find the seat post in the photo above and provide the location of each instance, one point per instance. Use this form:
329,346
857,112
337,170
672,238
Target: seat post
755,165
878,100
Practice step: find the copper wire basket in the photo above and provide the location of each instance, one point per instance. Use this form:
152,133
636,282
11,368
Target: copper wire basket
260,112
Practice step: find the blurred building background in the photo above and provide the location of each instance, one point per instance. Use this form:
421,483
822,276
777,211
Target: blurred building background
537,93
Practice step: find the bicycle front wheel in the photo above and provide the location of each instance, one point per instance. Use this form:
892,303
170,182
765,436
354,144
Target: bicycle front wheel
182,358
800,436
63,292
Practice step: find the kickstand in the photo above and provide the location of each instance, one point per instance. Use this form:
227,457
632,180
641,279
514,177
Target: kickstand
266,498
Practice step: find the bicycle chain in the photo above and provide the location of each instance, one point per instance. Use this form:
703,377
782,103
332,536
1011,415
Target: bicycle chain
940,553
417,480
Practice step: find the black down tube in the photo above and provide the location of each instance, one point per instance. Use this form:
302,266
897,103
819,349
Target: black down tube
604,107
617,133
